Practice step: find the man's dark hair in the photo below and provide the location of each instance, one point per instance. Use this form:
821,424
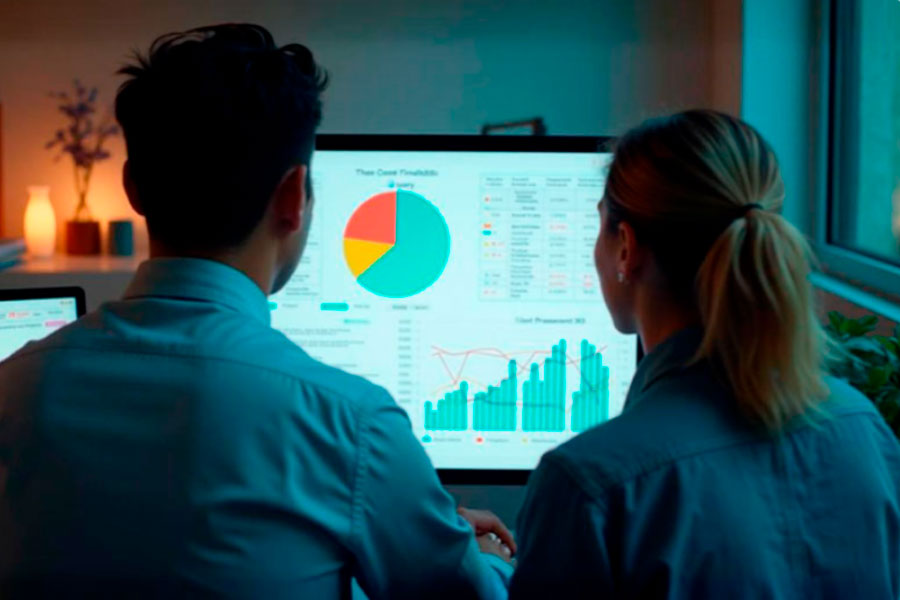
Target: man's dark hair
213,118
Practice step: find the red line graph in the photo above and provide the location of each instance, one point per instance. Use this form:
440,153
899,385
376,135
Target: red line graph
524,366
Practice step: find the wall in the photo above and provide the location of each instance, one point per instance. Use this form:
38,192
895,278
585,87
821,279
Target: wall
586,66
781,44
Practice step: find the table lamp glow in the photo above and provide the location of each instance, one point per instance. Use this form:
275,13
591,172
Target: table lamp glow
40,223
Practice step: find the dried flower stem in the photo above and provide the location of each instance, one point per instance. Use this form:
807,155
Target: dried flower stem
82,141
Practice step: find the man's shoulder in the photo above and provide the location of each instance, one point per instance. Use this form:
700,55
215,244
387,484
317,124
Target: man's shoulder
294,362
228,340
259,347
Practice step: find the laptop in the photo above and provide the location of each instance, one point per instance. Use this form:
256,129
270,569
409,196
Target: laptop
28,315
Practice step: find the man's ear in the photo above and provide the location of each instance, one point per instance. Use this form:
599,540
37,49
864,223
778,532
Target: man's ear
131,189
290,200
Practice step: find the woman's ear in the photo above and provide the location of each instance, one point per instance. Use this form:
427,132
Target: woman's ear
630,255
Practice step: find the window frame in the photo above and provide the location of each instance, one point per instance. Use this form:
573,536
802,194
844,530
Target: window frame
840,49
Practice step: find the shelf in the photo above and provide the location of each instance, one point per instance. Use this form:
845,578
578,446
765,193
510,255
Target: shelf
103,278
76,264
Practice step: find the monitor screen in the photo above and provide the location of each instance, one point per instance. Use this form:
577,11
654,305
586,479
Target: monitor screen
462,280
23,320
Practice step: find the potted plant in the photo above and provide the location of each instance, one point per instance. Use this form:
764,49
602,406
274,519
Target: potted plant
82,139
870,363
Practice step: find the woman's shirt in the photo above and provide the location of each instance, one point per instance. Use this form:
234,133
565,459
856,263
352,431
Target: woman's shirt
679,497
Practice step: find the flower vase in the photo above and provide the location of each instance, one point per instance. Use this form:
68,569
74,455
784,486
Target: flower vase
82,232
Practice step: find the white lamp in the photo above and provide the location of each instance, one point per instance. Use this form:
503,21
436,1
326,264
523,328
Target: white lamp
40,222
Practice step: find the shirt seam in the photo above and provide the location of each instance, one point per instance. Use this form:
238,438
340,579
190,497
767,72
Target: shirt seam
359,480
567,465
217,303
244,363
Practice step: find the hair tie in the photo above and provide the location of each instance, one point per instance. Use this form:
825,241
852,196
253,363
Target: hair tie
745,208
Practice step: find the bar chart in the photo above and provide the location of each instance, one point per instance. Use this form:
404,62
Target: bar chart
541,400
451,413
495,409
590,404
544,400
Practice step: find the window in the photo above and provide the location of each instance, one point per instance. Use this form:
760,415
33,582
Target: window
862,231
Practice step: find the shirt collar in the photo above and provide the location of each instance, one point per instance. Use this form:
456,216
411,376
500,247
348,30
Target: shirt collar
674,354
201,280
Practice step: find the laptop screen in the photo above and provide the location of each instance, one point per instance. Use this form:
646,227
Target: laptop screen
23,320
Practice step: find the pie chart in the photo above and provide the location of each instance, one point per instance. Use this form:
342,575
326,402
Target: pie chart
396,244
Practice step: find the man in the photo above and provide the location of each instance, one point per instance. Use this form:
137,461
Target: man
173,443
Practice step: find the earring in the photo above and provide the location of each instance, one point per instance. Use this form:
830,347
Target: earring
621,277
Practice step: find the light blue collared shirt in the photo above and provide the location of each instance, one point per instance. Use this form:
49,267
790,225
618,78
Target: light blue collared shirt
680,498
174,438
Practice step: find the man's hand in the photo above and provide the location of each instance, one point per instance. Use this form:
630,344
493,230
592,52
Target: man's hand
485,522
491,544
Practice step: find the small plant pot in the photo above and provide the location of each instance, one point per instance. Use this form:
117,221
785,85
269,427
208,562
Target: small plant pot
120,238
82,238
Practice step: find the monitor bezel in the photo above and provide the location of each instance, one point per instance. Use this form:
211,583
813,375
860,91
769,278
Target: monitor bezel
470,143
464,143
48,293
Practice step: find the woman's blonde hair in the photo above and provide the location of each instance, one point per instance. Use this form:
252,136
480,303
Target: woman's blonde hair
703,191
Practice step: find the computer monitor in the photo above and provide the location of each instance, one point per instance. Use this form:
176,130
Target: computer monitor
31,314
458,272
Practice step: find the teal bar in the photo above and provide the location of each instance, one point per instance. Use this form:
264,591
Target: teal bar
483,411
335,306
526,406
561,389
560,416
541,412
453,409
604,396
545,404
479,415
464,399
489,400
476,415
549,387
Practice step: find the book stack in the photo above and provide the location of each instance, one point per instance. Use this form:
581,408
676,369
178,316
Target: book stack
11,252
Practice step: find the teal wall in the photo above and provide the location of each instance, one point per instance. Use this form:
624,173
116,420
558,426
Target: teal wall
403,66
780,69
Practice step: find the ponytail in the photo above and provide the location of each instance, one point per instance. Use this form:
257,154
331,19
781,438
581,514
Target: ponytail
756,306
703,191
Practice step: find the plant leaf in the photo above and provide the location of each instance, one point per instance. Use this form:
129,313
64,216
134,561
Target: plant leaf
861,326
835,321
878,377
889,407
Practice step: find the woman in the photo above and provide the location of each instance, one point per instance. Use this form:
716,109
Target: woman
737,469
